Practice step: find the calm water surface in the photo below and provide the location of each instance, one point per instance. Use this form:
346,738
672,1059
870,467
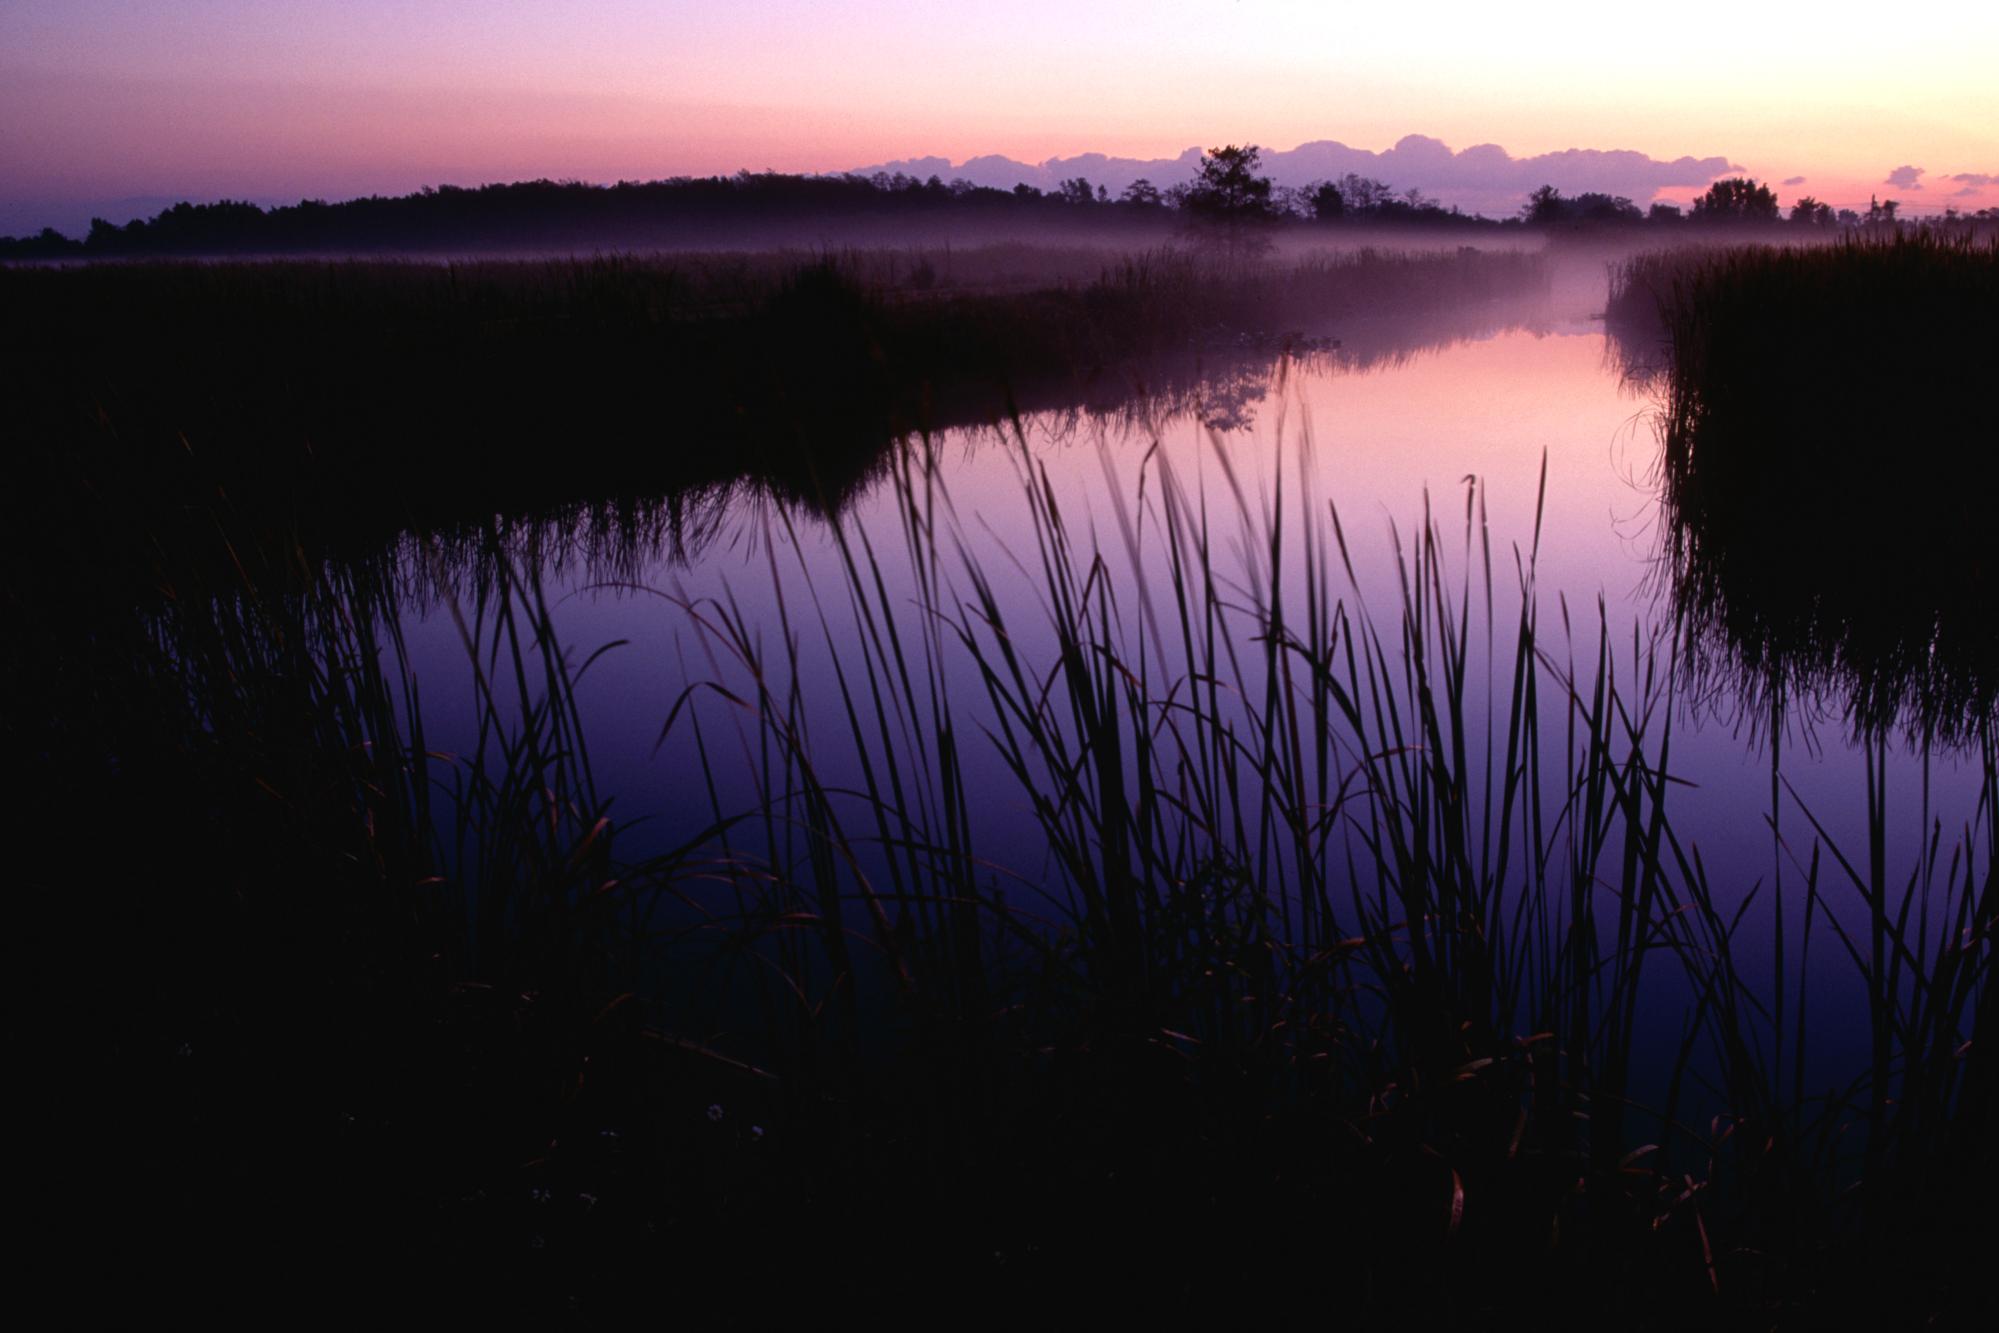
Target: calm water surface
1378,443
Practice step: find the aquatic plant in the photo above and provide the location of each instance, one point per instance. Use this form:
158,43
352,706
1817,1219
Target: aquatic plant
1824,472
1345,934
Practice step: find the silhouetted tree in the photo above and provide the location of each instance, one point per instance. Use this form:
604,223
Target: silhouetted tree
1076,191
1663,212
1596,207
49,244
1364,194
1226,187
1142,191
1544,206
1229,202
1737,199
1327,205
1809,212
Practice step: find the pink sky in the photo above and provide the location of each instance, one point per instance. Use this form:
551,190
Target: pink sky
113,100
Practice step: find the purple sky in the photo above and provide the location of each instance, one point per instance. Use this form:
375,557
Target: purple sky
115,106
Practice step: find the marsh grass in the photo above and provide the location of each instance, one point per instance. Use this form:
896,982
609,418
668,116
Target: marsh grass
1285,849
1347,933
1825,468
347,403
1353,949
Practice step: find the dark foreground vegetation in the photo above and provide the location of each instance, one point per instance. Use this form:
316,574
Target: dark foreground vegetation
1322,981
1828,462
364,399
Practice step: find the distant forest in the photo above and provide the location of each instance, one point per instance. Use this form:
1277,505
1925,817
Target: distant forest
564,215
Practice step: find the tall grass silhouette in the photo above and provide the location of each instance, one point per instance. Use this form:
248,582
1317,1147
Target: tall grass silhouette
1823,470
1312,917
1343,929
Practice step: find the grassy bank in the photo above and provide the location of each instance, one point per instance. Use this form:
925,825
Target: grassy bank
1825,469
354,401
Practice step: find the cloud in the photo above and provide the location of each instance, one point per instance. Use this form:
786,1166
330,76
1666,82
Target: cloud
1975,180
1484,178
1794,180
1904,178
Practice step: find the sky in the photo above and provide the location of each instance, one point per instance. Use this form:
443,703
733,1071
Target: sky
110,105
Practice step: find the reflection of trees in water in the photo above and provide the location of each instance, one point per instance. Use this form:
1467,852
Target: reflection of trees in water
1222,388
625,479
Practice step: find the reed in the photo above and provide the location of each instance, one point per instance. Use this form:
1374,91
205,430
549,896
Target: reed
1823,471
1313,929
1348,935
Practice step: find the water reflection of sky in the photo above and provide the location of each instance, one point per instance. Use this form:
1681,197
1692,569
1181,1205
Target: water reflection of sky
1378,441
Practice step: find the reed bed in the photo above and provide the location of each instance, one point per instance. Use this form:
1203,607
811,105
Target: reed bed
1348,936
1824,470
347,403
1351,949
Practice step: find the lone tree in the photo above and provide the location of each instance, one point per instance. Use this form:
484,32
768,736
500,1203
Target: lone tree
1737,199
1142,192
1544,206
1228,202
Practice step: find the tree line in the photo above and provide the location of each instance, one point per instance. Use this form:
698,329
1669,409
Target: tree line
1227,196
